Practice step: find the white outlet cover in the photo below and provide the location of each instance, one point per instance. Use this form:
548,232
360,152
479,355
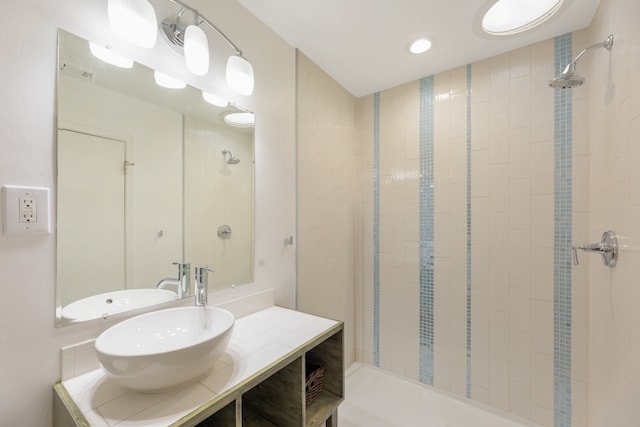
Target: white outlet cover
11,216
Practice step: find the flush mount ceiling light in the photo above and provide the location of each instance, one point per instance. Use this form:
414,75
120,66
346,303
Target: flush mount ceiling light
132,18
167,81
507,17
134,21
420,45
240,120
109,56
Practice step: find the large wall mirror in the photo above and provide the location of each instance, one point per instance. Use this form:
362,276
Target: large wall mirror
148,176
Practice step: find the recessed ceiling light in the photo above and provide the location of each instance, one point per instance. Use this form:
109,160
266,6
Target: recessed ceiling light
241,120
420,45
508,17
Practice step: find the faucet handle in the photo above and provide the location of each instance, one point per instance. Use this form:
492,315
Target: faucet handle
202,271
202,274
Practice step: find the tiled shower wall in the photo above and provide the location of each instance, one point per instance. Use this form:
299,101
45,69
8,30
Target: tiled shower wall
463,193
470,308
327,168
614,128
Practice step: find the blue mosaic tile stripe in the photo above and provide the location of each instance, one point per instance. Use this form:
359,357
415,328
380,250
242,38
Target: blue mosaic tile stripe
562,240
469,230
376,229
426,230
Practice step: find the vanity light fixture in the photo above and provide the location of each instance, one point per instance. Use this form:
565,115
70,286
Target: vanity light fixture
109,56
167,81
196,50
132,19
240,75
420,45
507,17
213,99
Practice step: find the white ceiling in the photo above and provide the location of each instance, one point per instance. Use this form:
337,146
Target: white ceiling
363,44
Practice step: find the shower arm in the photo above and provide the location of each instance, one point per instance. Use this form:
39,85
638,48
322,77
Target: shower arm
606,44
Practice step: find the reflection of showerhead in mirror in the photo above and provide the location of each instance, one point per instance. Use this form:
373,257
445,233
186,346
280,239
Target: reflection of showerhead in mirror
232,160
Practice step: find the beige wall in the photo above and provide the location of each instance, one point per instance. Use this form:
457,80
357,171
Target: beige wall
327,167
614,126
29,342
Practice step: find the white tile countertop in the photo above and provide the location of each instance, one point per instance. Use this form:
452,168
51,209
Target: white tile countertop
259,340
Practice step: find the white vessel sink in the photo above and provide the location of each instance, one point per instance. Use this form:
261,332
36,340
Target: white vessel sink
159,350
109,303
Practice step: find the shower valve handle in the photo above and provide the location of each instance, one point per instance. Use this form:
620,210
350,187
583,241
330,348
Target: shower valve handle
607,247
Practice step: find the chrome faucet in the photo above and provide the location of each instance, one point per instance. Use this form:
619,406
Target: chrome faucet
607,247
182,282
202,277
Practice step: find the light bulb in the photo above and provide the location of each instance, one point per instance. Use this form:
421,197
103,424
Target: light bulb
240,75
109,56
196,50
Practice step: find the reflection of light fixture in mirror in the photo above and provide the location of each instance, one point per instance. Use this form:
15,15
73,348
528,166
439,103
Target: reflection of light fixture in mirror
109,56
191,41
506,17
216,100
196,50
240,120
240,75
134,21
168,81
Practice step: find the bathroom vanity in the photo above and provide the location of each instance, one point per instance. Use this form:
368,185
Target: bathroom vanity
259,381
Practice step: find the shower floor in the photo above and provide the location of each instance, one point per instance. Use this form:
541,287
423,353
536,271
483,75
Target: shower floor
375,398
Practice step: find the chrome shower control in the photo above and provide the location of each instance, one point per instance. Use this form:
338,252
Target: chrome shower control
607,247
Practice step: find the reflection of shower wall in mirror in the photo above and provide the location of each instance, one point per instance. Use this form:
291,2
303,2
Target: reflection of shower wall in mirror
154,183
95,98
217,193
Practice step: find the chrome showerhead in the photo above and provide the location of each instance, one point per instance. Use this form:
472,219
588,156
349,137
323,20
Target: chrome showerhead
569,78
232,160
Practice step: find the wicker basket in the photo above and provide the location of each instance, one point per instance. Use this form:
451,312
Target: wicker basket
314,382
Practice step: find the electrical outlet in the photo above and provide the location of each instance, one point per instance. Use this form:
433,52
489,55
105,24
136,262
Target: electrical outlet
26,210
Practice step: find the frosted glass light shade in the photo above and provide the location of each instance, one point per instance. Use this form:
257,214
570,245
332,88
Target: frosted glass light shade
134,21
167,81
240,75
213,99
196,50
109,56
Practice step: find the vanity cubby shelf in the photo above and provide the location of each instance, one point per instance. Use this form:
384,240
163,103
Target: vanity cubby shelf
273,396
